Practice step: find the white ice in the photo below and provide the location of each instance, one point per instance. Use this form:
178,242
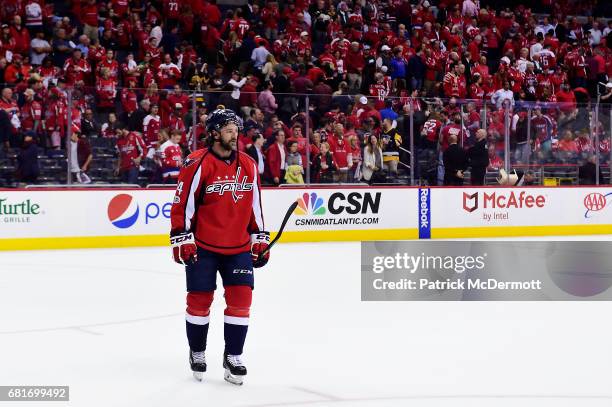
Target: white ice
110,324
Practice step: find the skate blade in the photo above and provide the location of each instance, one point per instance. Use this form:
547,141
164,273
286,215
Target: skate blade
233,379
198,376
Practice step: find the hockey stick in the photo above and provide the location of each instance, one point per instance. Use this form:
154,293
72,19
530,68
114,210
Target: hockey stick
280,231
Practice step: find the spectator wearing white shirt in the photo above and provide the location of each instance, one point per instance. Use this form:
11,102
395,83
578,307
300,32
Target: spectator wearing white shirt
39,49
537,47
522,62
236,84
544,27
503,97
157,33
595,35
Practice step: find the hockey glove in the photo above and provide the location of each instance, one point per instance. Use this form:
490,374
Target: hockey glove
259,248
184,249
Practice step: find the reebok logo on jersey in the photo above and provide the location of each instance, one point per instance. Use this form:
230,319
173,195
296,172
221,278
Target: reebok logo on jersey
230,184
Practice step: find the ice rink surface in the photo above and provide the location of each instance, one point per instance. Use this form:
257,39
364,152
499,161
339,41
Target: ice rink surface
110,324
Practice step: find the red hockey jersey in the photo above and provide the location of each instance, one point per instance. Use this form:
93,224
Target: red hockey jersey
171,159
219,200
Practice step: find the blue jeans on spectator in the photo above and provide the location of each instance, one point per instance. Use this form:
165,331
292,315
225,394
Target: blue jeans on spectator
521,153
416,83
130,176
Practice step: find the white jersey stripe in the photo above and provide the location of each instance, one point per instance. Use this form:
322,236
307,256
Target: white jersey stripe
194,319
257,201
190,208
236,320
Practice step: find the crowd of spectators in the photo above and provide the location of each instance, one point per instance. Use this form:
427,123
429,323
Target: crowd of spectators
145,73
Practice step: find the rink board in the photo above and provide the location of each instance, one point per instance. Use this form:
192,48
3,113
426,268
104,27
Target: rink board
56,219
498,212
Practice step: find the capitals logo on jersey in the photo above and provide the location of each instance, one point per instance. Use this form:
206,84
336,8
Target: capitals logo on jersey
188,161
221,186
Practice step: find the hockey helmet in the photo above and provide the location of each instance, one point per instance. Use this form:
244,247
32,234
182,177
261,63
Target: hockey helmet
220,118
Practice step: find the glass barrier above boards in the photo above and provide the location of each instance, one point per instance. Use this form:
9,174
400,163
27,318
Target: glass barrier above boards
112,133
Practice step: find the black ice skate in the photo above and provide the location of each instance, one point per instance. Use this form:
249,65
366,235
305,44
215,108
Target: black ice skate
234,369
197,360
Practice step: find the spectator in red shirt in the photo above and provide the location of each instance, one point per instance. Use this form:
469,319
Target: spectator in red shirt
567,99
355,63
31,113
89,18
129,100
168,73
21,36
276,156
109,63
77,69
106,89
16,72
131,150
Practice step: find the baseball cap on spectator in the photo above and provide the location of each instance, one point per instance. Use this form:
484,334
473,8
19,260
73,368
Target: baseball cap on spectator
505,60
178,106
363,100
385,48
5,26
303,33
249,126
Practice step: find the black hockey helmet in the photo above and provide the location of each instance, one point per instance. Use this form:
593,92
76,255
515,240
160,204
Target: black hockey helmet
220,118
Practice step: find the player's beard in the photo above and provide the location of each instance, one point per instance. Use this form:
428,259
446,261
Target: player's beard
229,145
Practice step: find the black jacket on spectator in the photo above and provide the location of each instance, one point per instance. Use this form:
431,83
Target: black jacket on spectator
455,160
479,161
27,163
252,152
416,67
587,174
136,119
521,135
318,173
6,128
89,128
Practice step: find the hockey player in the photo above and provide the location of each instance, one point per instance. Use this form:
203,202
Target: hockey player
217,225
